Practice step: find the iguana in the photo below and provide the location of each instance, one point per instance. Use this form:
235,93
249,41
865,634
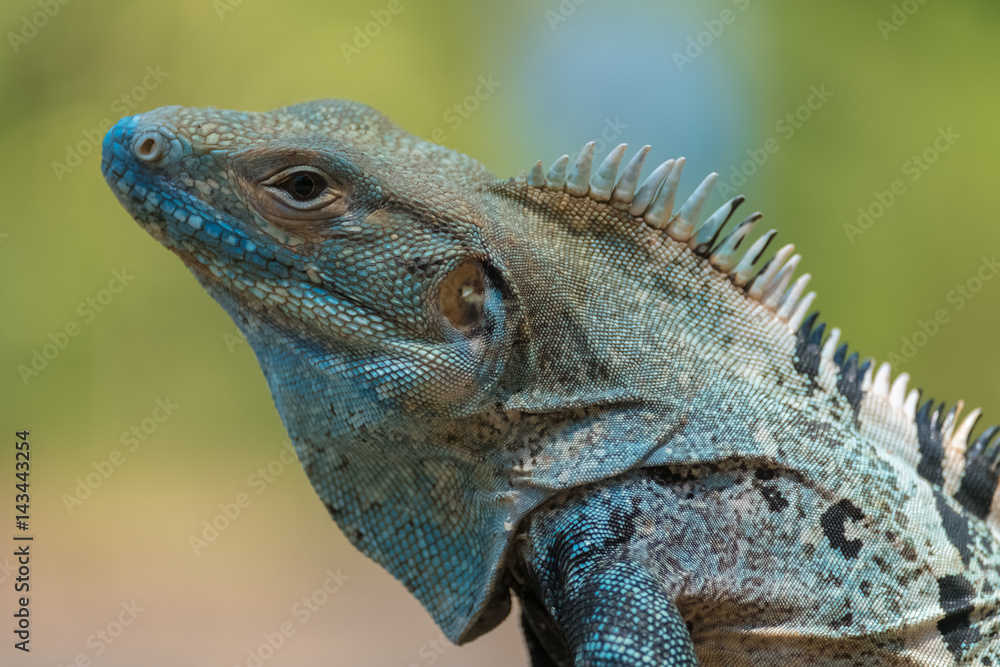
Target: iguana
563,386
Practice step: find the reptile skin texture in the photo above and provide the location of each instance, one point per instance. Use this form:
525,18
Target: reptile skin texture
572,387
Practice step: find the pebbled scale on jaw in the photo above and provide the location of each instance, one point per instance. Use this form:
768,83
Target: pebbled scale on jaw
964,472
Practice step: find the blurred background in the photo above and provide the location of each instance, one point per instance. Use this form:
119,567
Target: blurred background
865,131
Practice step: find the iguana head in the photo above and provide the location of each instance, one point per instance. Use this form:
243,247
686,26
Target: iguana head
447,350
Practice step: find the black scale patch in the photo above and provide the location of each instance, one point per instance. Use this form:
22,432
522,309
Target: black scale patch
808,349
833,521
956,527
851,375
956,598
979,481
930,443
775,501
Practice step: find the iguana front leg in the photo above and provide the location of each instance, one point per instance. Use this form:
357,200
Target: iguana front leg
588,606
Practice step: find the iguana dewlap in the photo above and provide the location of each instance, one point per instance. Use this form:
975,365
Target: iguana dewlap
566,386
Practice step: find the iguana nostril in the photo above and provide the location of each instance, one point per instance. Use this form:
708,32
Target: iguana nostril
150,147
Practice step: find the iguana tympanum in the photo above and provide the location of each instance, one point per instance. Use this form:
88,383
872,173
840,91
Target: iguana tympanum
563,386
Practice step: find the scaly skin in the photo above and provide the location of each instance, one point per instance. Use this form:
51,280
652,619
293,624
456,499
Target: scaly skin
559,386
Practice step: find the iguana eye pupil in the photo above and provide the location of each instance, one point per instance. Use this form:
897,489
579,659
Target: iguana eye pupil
304,185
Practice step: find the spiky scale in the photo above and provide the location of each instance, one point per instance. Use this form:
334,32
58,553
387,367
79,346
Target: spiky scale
536,178
990,451
724,256
791,299
801,310
910,403
624,192
707,232
650,187
961,435
660,211
682,225
880,386
931,443
763,279
897,393
603,180
773,293
555,178
578,179
830,346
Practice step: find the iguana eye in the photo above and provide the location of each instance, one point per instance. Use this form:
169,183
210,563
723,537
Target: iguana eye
462,295
302,192
303,185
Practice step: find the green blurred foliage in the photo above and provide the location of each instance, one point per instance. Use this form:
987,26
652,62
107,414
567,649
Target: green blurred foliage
161,336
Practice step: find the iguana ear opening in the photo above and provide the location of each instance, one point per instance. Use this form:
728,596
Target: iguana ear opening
461,295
